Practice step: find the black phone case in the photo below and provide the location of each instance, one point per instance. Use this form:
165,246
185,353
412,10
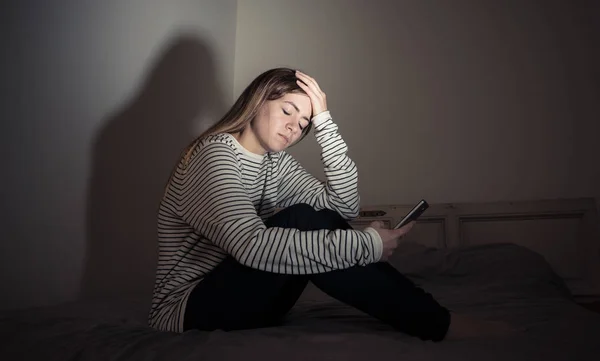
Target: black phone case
413,214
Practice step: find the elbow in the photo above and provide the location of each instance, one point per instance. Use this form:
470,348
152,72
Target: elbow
352,214
353,209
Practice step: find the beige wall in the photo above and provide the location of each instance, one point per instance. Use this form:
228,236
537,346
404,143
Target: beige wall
445,100
98,99
451,101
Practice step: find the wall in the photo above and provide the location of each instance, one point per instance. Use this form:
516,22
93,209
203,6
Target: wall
460,101
99,98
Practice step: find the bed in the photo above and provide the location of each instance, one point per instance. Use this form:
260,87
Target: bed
475,258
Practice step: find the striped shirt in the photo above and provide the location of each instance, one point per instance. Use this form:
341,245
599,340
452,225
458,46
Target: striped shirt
217,205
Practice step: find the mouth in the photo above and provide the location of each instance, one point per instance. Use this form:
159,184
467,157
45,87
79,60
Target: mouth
286,139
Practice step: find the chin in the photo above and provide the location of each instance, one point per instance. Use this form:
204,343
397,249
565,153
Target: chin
278,146
278,149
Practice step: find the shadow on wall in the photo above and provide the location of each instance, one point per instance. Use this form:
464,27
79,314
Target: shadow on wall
133,156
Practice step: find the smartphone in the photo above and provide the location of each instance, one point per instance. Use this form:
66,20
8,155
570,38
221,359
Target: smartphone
413,214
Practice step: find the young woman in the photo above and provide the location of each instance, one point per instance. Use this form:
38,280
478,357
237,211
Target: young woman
228,261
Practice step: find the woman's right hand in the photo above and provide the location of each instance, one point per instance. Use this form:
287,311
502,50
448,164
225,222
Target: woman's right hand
390,237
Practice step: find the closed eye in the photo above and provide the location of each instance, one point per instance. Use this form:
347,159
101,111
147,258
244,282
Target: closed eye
299,123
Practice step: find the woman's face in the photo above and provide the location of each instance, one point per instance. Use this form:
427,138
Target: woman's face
279,123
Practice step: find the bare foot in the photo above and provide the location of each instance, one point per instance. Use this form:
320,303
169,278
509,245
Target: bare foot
464,327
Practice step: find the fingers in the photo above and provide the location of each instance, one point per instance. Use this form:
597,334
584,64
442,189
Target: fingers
405,229
376,224
308,80
312,83
314,92
311,92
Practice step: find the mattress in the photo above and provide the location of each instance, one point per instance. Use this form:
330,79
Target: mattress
494,282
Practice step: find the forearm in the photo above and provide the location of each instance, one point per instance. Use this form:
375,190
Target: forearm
340,171
212,199
339,192
290,251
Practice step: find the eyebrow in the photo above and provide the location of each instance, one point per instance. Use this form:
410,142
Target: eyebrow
295,107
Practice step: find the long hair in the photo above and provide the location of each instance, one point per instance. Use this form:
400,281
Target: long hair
270,85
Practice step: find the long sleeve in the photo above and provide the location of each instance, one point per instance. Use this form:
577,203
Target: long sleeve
214,201
340,190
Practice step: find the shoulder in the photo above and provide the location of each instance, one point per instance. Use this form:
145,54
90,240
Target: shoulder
217,141
214,150
217,145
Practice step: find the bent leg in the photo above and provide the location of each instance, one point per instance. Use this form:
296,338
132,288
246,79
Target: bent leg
384,293
234,296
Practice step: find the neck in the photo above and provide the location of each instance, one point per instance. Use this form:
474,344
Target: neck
249,142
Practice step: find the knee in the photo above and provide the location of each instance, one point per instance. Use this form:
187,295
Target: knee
332,219
304,217
324,217
330,215
299,216
302,208
301,211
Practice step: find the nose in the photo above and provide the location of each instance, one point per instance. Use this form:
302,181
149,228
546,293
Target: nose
293,126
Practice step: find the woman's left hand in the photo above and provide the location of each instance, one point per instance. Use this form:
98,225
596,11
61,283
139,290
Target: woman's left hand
316,95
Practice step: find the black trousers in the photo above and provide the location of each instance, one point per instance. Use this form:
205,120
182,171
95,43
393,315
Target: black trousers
234,297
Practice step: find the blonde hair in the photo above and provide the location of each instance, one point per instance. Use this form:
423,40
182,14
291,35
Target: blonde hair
270,85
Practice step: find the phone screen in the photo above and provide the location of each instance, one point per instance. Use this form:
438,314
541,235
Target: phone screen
413,214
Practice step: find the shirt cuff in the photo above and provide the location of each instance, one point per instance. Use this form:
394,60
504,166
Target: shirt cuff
377,243
321,118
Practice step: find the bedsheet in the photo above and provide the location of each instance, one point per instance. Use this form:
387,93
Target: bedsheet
524,292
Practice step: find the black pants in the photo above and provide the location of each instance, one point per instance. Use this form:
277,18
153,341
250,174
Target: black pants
234,297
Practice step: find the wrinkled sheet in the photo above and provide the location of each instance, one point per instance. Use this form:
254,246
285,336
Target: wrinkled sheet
495,282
